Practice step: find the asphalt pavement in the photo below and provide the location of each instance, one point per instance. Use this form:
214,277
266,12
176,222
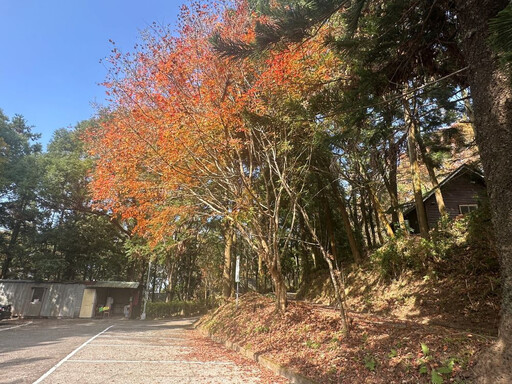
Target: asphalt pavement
117,351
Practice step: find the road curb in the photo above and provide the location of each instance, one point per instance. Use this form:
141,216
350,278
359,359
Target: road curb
294,377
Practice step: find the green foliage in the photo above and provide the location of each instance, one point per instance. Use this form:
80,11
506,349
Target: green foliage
436,377
75,243
447,367
52,232
20,176
370,362
425,349
465,244
290,23
262,329
312,344
501,34
435,373
401,254
162,310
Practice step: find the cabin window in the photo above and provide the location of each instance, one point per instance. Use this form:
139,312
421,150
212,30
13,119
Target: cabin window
37,295
466,208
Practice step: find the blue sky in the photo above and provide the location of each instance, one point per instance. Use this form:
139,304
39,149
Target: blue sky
51,51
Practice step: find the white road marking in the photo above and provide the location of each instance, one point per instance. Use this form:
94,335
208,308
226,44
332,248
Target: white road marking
16,326
69,356
114,336
152,362
139,345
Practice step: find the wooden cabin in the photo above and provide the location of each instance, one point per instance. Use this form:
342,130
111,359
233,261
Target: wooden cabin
461,189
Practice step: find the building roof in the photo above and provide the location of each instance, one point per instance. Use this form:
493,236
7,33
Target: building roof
95,284
112,284
464,168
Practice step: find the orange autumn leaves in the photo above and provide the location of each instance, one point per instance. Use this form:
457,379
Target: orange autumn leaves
168,145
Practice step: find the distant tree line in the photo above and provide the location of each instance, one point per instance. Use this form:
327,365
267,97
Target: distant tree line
48,230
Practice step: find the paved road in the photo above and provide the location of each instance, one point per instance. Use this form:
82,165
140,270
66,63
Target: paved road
110,351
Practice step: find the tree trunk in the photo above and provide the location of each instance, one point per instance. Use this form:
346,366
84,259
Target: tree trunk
277,278
371,223
432,174
492,101
188,291
54,250
226,273
296,273
260,284
130,270
280,286
142,276
329,228
170,278
415,168
339,293
257,275
306,252
346,222
369,241
398,215
153,285
378,229
339,288
355,219
270,255
391,183
380,213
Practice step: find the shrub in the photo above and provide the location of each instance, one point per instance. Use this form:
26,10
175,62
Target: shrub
403,253
465,244
174,308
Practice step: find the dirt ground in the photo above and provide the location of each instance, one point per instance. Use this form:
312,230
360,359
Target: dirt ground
118,351
310,340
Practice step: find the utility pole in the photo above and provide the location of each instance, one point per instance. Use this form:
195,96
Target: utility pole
146,298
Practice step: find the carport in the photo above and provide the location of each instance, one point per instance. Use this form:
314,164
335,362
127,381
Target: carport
117,295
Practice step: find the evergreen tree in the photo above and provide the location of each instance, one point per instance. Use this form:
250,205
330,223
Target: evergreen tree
19,182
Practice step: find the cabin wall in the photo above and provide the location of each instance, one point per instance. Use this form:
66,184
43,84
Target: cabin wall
63,300
59,300
462,190
16,294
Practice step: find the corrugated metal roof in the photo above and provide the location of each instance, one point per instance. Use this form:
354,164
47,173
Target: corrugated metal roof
113,284
37,281
97,284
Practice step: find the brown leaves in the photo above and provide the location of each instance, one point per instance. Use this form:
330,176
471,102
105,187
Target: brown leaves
308,339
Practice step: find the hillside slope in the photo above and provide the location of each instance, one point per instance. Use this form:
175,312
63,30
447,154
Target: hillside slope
309,339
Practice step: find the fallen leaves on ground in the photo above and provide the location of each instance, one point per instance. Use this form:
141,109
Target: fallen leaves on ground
310,340
206,350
